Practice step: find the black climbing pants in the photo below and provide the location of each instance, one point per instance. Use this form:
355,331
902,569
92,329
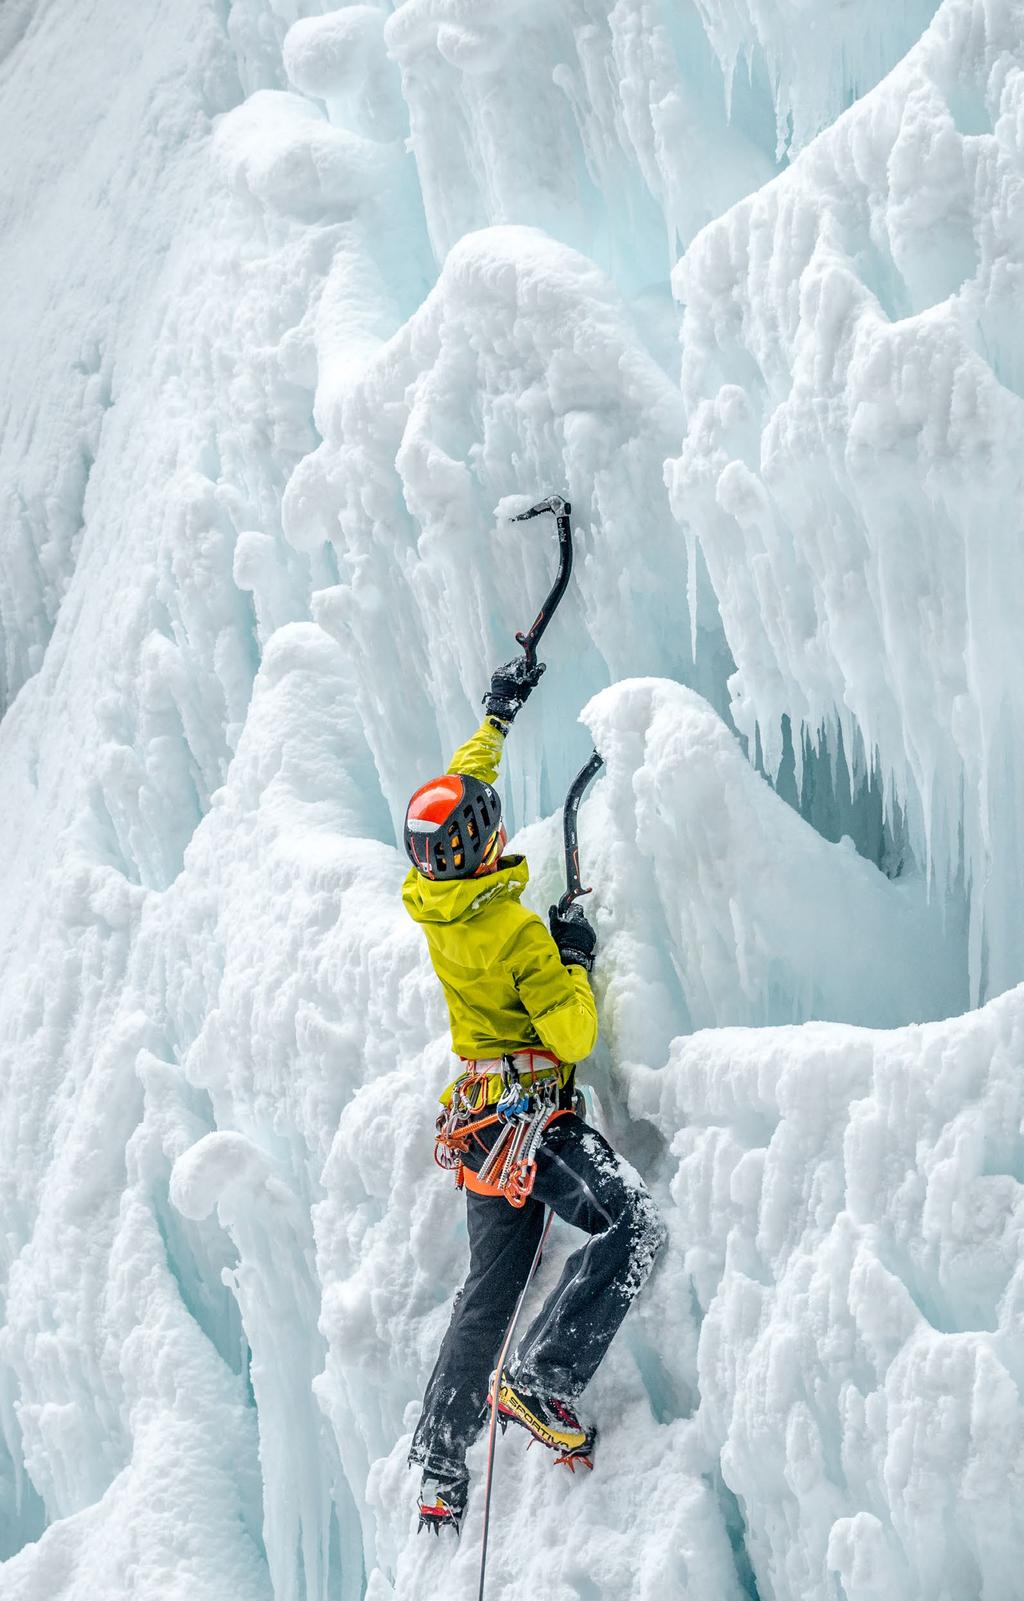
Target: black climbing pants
588,1185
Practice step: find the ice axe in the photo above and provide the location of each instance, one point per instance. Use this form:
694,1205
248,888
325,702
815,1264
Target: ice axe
577,789
560,509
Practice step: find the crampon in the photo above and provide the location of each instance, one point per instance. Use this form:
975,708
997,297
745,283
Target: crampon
551,1422
442,1505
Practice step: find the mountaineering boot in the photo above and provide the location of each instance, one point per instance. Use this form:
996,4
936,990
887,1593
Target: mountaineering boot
442,1503
549,1420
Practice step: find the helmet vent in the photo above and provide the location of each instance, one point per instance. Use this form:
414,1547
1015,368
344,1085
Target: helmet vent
451,825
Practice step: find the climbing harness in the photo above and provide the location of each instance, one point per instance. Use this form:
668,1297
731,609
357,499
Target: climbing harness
526,1110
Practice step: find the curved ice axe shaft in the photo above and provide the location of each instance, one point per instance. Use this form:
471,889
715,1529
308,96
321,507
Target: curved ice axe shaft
574,885
560,509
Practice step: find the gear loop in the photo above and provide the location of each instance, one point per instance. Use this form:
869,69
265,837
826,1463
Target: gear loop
525,1113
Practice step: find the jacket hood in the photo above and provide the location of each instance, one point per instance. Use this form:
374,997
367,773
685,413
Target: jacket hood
449,900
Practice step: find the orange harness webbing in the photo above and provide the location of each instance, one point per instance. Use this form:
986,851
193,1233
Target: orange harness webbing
518,1184
510,1167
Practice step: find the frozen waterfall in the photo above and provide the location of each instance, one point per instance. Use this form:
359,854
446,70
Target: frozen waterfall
301,301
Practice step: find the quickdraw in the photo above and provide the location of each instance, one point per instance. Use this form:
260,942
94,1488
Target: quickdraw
526,1111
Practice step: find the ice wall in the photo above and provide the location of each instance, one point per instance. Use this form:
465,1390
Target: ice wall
302,307
818,59
851,470
850,1205
100,169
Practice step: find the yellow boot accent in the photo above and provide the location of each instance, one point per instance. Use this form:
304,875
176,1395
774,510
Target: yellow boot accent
567,1440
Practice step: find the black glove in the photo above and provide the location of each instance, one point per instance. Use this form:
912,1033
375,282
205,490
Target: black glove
574,935
511,685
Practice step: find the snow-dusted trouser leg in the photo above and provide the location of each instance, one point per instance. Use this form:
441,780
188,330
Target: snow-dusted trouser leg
590,1186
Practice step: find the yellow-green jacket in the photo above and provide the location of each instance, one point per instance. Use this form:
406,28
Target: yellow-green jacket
504,981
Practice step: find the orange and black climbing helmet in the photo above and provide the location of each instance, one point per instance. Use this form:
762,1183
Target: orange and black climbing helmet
453,827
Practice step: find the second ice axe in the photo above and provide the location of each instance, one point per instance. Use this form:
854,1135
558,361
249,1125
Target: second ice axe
574,884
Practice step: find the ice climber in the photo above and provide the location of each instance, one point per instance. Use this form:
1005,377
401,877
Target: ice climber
522,1014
